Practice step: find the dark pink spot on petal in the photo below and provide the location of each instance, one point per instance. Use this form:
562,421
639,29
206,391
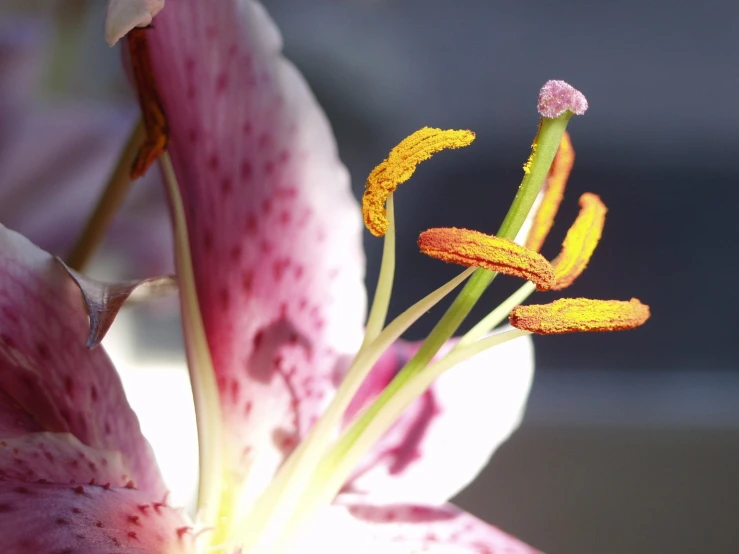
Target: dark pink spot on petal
247,280
246,170
221,83
251,224
264,141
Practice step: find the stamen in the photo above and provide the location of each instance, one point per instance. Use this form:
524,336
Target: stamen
580,242
356,441
496,317
381,302
552,194
266,521
569,315
400,165
475,249
202,376
157,129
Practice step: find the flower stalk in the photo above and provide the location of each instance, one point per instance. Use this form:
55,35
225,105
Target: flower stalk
109,204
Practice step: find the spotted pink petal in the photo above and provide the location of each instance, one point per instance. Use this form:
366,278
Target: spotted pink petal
76,474
88,519
360,526
275,232
49,381
447,436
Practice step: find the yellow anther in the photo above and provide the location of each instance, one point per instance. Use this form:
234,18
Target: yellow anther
569,315
553,193
475,249
400,165
580,241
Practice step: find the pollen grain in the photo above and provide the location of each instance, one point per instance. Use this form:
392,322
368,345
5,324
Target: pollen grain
475,249
400,165
570,315
580,242
552,194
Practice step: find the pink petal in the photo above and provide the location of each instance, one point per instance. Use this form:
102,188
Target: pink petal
124,15
275,231
103,300
21,60
53,171
88,519
55,160
50,381
446,437
60,458
362,527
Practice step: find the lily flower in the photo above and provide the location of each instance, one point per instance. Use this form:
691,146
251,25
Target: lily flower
274,238
317,433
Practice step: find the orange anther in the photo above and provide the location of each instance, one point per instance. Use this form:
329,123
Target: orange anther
569,315
475,249
552,195
400,165
157,129
580,242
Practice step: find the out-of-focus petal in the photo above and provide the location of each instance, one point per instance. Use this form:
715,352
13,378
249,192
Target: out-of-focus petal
446,437
359,526
21,58
124,15
104,300
60,458
88,519
53,171
274,230
55,160
49,380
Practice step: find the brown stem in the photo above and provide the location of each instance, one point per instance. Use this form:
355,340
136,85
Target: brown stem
109,204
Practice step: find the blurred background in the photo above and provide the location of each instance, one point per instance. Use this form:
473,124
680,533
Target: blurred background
631,440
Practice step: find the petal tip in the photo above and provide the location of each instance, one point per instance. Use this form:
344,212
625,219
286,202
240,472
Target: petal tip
123,15
557,97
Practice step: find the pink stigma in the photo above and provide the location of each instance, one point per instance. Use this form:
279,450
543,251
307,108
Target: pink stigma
556,97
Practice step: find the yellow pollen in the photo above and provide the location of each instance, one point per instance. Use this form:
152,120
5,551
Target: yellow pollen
580,242
553,193
472,248
569,315
530,161
400,165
